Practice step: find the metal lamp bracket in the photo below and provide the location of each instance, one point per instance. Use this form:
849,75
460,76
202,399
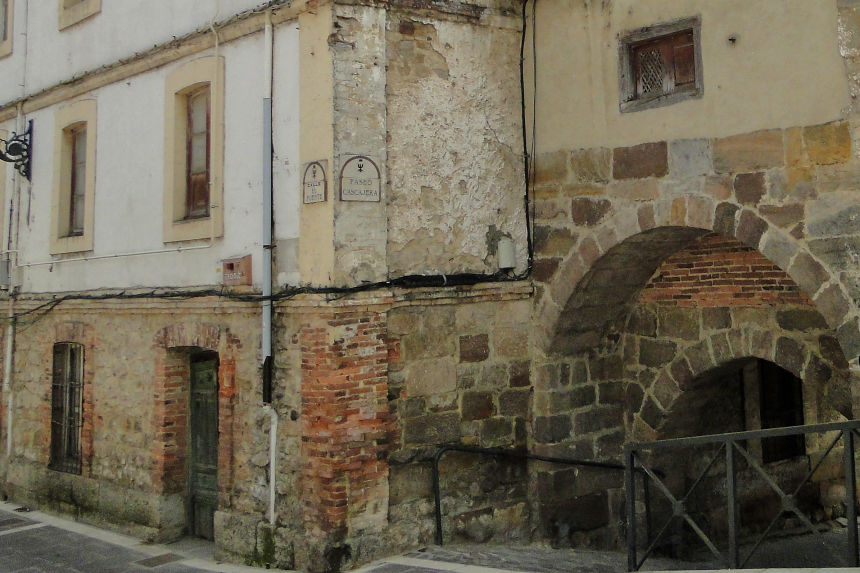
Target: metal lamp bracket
16,150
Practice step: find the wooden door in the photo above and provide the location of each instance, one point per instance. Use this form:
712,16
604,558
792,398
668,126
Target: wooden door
203,467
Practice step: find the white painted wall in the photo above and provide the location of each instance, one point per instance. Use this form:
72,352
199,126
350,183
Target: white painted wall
130,178
122,29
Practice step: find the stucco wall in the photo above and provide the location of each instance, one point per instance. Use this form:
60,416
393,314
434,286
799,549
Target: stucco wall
130,182
783,69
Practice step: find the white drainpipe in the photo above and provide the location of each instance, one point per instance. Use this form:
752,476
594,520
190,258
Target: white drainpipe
268,223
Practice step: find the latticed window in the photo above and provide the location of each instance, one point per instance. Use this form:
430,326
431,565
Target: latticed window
67,407
660,65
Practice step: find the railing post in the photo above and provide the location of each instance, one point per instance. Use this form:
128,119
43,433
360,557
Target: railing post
630,481
437,496
850,496
731,492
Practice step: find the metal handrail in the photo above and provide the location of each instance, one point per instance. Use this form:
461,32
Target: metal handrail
521,454
729,442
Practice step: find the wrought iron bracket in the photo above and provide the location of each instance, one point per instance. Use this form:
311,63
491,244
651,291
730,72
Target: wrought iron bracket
16,150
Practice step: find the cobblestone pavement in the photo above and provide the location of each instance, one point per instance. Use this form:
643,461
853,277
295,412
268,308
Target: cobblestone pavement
34,542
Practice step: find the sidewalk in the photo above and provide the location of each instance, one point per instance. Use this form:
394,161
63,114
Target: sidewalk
36,542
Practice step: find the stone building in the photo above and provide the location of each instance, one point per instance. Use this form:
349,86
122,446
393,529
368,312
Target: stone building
270,257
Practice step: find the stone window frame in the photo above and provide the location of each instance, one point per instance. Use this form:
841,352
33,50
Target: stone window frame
6,34
73,11
628,102
68,120
182,81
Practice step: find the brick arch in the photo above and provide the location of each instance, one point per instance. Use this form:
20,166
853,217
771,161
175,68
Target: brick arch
592,286
675,379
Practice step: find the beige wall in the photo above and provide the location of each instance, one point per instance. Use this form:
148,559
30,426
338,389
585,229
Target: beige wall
783,70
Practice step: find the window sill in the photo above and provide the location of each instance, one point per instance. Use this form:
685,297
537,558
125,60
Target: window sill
71,244
190,230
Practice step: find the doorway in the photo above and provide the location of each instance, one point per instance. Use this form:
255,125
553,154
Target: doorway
203,454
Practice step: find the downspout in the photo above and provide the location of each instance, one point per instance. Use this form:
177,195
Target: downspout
268,224
215,93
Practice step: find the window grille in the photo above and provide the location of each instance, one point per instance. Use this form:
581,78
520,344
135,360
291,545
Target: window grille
67,407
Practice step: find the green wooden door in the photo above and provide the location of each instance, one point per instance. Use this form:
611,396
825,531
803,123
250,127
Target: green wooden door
203,469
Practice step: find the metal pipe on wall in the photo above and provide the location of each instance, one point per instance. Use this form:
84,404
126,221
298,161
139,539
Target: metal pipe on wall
268,224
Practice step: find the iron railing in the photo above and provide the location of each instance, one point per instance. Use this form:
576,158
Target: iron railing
520,454
731,444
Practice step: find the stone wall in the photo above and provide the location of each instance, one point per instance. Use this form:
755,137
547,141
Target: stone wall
459,374
711,304
135,417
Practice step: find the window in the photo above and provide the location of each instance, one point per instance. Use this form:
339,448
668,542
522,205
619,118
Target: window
5,27
74,178
197,154
67,407
194,150
660,65
74,11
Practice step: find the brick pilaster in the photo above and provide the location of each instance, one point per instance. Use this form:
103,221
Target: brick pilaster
345,424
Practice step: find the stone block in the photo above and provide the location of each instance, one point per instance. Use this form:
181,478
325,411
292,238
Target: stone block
598,418
557,209
721,348
544,269
699,357
634,189
583,513
828,143
783,216
651,413
497,432
432,429
689,158
849,338
716,318
477,405
719,187
777,249
640,161
749,152
432,376
474,348
682,373
474,317
750,228
789,355
656,352
838,214
633,396
582,396
590,165
519,374
407,482
550,167
808,273
514,403
749,188
442,402
839,252
800,319
553,242
832,351
581,189
642,321
610,446
588,212
665,390
680,323
724,219
611,392
551,429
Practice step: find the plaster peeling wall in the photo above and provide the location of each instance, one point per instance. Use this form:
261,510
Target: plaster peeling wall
358,47
455,150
